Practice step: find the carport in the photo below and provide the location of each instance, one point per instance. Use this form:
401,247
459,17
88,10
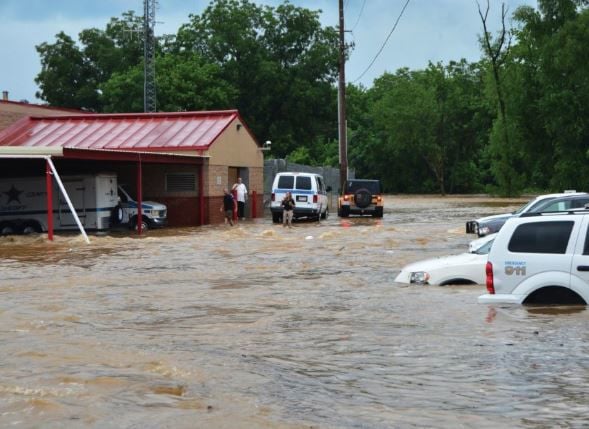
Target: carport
35,161
181,159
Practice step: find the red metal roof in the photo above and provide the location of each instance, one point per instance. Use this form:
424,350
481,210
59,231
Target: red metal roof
128,131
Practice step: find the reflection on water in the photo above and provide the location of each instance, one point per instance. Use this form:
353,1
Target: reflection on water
256,326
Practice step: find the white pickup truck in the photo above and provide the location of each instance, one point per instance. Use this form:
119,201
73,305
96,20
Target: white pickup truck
154,215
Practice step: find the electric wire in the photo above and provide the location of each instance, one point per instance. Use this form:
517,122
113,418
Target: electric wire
359,16
384,44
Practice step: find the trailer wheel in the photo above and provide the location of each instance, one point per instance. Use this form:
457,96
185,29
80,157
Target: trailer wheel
31,228
7,228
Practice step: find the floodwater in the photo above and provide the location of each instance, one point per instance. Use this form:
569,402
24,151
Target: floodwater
257,326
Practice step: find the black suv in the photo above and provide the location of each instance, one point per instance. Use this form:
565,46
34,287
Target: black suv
360,197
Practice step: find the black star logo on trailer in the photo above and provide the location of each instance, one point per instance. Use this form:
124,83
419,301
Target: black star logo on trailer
13,195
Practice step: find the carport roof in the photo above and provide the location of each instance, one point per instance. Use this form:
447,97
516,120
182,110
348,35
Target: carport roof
145,132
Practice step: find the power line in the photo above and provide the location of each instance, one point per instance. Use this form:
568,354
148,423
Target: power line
385,42
359,15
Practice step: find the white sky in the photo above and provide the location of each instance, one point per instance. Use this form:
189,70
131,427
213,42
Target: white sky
429,30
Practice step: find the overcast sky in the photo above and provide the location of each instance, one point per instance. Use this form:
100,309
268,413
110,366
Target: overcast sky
428,30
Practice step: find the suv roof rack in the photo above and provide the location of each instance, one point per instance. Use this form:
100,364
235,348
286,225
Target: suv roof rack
582,210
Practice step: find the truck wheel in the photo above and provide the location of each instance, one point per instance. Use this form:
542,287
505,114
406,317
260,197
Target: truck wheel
144,224
116,215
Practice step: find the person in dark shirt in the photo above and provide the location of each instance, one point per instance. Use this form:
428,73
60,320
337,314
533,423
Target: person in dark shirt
228,206
288,205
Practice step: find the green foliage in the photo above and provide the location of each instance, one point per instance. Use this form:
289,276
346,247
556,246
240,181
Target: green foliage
513,122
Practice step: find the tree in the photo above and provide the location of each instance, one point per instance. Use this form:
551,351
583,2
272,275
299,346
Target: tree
64,76
71,75
281,62
503,149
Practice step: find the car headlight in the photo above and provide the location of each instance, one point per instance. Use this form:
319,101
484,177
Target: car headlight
419,277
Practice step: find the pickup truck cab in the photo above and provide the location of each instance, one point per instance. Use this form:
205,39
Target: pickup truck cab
154,214
540,258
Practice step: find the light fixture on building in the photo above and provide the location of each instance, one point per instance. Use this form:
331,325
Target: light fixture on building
266,145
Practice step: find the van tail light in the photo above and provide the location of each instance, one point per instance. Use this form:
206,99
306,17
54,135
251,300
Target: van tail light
273,196
489,272
315,199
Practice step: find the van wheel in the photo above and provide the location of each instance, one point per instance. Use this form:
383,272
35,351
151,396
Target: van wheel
276,217
325,214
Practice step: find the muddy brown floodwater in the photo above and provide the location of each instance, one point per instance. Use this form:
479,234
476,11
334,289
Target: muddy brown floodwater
259,327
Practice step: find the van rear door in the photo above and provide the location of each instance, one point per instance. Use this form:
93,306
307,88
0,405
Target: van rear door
303,192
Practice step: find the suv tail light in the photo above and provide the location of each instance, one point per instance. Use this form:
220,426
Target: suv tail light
489,272
346,197
315,199
273,196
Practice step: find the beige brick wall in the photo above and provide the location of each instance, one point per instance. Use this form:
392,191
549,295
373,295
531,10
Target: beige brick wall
11,111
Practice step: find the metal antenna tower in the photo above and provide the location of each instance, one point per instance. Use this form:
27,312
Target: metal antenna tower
149,95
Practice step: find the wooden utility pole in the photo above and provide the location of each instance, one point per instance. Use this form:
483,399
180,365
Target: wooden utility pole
343,142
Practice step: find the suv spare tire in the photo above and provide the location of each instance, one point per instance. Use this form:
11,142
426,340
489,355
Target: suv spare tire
363,198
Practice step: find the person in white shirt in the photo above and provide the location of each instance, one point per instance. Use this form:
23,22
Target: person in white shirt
241,192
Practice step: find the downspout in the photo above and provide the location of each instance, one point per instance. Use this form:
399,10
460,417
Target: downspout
139,198
201,197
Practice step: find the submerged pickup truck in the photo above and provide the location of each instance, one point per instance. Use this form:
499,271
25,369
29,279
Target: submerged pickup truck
153,214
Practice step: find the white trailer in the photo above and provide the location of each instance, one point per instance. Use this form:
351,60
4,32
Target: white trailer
23,203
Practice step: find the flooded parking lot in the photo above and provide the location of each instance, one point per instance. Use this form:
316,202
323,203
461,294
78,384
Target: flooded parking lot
257,326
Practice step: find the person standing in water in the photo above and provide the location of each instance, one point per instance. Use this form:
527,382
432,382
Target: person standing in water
227,206
288,206
241,192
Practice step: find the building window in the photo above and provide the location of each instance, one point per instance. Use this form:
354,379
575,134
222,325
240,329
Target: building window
180,182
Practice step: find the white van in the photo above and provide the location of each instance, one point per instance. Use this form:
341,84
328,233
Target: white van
308,191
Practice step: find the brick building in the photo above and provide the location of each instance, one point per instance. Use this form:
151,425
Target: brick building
182,159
